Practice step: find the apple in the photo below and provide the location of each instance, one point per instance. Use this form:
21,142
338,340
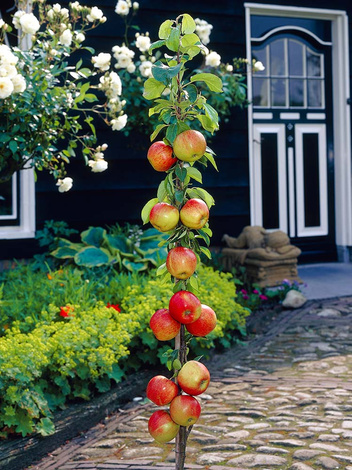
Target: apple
205,323
161,427
185,307
193,378
163,325
194,214
189,146
185,410
181,262
161,390
160,156
164,216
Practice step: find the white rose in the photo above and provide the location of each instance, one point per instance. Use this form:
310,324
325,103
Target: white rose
229,68
122,8
95,14
65,184
213,59
135,5
16,18
2,23
57,8
143,43
146,68
116,83
19,84
64,12
203,29
119,123
29,23
80,37
123,61
7,70
258,66
6,87
98,166
102,61
131,67
66,38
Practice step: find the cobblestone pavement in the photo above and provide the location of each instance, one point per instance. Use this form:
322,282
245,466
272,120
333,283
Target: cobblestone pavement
281,401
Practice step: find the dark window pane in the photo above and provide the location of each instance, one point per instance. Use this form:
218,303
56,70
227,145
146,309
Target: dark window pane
314,67
260,92
270,173
295,58
311,180
277,58
296,92
278,92
261,55
6,198
315,99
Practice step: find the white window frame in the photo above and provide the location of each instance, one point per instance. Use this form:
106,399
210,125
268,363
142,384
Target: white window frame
341,110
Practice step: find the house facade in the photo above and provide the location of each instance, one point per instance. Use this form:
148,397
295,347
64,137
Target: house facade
285,161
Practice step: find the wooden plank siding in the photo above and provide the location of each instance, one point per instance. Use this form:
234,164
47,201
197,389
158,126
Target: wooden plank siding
118,194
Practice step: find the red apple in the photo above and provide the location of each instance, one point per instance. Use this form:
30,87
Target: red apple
164,216
185,410
161,390
189,146
161,427
194,214
160,156
163,325
181,262
193,378
185,307
205,323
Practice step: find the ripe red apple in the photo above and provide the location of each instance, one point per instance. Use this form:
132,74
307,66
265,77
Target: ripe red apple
193,378
189,146
161,390
161,427
185,307
181,262
160,156
205,323
163,325
185,410
164,216
194,214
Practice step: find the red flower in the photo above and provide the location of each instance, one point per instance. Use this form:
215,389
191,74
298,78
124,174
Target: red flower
66,311
114,306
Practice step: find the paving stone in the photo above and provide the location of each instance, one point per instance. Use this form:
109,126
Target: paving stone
306,454
347,424
272,450
328,437
239,435
257,460
289,443
141,452
344,458
327,447
210,458
300,466
328,463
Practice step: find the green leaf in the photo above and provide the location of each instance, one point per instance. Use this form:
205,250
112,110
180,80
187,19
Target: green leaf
162,193
67,251
181,173
165,29
189,40
207,123
25,423
92,256
192,93
212,114
193,51
194,173
188,24
153,89
147,208
164,74
171,133
205,251
213,82
162,269
134,266
193,283
173,41
156,131
93,236
45,427
156,45
203,194
13,146
117,373
210,157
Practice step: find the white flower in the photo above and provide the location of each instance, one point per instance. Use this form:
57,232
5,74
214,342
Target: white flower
102,61
258,66
80,37
229,68
95,14
57,8
122,8
7,70
203,29
2,23
16,18
75,6
19,84
66,38
131,67
6,87
146,68
64,12
143,43
65,184
213,59
119,123
29,23
98,166
135,5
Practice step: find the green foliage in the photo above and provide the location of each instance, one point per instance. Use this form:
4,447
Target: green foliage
52,230
101,248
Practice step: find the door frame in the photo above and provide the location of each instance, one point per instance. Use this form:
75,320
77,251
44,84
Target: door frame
341,113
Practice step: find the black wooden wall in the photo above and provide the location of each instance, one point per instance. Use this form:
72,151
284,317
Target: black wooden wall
118,194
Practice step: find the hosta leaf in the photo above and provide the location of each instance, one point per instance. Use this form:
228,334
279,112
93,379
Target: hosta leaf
93,236
135,266
92,257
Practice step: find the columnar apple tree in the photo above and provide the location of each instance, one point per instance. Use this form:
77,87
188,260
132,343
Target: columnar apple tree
181,208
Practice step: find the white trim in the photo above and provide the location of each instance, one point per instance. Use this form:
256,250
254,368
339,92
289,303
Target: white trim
295,28
290,116
302,229
341,112
291,192
317,116
279,130
13,214
263,116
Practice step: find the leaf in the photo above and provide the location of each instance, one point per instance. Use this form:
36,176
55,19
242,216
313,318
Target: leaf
213,82
210,157
193,51
156,45
205,251
162,269
203,194
164,74
194,173
45,427
162,193
117,373
181,173
156,131
93,236
13,146
212,114
134,266
188,24
67,251
153,89
192,93
165,29
207,123
91,257
147,208
171,133
190,40
173,41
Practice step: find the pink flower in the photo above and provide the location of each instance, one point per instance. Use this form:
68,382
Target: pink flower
245,297
263,297
243,291
255,291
